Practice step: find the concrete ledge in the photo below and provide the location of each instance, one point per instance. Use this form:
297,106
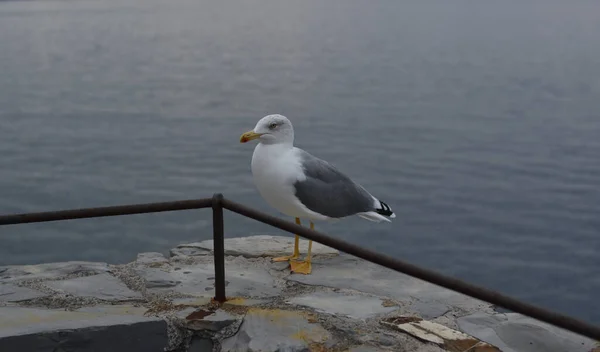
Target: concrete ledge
142,336
164,304
254,247
16,321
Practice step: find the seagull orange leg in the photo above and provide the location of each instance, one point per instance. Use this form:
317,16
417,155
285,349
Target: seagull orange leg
304,266
296,252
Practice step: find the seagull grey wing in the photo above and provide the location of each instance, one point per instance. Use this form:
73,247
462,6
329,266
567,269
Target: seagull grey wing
329,192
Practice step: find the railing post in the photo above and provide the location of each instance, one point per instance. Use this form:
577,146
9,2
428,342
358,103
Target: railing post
219,247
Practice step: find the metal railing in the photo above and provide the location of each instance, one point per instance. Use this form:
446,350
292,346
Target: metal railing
218,203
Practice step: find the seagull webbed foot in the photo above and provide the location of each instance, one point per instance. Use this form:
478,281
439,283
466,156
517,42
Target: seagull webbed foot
304,266
286,258
301,266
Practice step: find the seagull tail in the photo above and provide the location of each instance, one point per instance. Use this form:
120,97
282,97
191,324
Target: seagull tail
373,216
383,209
381,212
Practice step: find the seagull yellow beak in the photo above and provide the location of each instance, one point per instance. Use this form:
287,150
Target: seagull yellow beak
248,136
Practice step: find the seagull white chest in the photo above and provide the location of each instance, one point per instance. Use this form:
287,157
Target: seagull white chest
275,168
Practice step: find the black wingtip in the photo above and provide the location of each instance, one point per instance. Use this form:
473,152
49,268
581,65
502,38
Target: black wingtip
384,209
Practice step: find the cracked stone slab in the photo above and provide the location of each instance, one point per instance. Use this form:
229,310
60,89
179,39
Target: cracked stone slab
198,280
255,247
353,306
159,278
103,286
50,270
201,319
351,273
34,329
12,293
513,332
428,310
276,330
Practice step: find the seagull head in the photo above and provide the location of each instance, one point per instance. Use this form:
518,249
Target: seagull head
271,129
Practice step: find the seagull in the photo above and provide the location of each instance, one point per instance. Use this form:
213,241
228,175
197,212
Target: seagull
303,186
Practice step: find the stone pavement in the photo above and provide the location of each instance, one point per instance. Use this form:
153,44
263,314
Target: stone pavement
164,304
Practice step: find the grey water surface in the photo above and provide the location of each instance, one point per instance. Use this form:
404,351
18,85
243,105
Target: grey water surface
478,122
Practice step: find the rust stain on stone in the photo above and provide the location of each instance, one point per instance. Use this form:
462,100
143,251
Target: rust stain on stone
234,309
199,314
215,302
234,305
235,300
312,319
463,345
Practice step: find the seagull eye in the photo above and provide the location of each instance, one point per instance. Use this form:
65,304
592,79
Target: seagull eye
272,126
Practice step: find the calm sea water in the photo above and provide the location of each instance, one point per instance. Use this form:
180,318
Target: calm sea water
478,123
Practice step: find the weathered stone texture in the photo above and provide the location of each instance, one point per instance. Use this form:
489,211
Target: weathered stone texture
275,330
12,293
103,286
158,303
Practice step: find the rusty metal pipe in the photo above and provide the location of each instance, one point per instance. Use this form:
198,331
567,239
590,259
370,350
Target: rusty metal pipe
105,211
450,283
219,247
218,203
